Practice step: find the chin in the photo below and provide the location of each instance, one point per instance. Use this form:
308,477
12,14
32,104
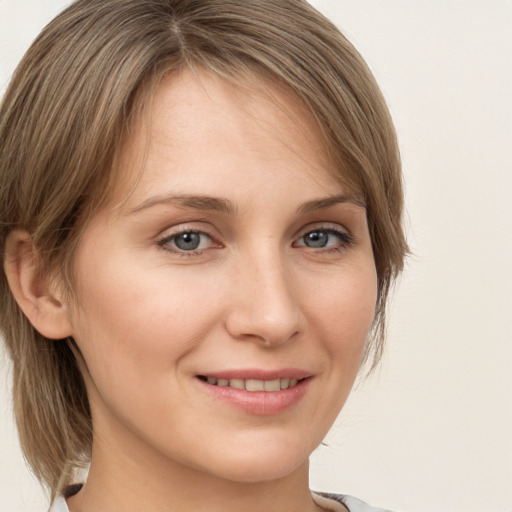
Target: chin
252,465
259,472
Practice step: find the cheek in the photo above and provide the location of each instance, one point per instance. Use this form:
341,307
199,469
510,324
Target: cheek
134,322
343,310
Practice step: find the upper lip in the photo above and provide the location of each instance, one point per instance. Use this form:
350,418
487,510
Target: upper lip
258,374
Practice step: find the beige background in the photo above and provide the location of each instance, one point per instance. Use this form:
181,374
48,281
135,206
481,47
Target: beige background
432,430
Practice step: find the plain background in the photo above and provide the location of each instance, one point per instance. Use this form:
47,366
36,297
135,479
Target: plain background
431,431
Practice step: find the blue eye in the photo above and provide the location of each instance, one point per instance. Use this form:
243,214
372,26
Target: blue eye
187,241
325,238
316,239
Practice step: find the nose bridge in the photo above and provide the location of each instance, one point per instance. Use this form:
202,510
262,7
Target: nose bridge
265,306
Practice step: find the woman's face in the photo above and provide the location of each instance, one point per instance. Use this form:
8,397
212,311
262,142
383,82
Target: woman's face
223,307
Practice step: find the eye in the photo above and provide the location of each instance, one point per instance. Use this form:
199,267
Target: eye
325,238
317,239
186,241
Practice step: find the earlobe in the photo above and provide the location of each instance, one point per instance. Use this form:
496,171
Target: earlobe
35,293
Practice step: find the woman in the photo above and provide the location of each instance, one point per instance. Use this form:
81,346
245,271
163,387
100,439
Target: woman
201,220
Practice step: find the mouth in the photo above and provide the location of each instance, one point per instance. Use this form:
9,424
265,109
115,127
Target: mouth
257,391
253,385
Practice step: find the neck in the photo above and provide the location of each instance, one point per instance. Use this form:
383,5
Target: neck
185,491
133,480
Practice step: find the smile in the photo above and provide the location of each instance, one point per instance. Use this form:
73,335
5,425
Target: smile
258,392
253,384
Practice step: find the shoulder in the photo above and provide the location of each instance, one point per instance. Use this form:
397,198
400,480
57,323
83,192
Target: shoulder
332,502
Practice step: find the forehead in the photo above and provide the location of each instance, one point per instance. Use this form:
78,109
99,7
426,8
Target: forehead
199,124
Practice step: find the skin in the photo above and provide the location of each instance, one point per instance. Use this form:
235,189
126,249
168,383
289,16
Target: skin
150,317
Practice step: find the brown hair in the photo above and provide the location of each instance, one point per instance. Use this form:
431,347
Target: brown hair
73,98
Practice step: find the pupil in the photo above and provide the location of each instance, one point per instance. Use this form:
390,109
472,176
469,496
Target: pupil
188,241
316,239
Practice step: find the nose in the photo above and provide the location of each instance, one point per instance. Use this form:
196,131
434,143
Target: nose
264,306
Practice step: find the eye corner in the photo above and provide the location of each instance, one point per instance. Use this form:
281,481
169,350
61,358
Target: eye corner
325,238
188,241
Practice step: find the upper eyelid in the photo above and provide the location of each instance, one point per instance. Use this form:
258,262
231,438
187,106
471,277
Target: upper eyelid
169,236
326,226
186,227
164,242
346,238
212,232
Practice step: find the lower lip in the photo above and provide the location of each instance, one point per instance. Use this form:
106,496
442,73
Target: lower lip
260,403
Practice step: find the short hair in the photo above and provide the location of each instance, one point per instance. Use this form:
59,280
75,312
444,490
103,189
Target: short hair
73,99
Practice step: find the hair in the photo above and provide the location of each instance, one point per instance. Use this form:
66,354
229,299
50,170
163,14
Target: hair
73,99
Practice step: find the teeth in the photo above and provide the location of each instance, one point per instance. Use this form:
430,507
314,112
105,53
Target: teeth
272,385
237,383
253,384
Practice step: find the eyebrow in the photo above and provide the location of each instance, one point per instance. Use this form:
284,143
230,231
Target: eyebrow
223,205
216,204
327,202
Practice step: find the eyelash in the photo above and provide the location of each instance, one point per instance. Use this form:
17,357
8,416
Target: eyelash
345,241
164,243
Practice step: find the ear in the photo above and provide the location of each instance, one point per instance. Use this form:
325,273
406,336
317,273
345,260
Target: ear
35,293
